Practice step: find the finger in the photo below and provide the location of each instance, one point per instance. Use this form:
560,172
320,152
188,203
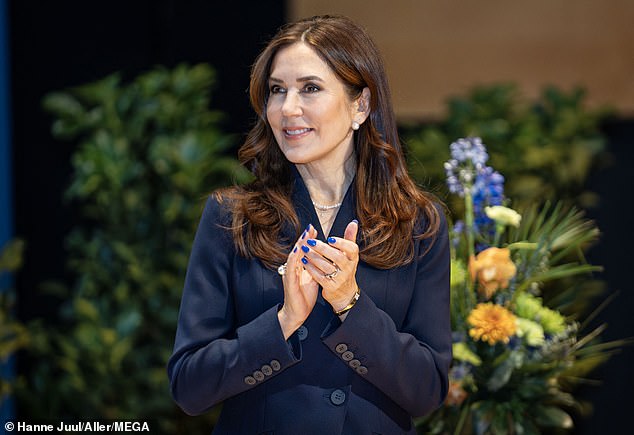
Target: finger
290,278
316,273
348,248
351,231
293,262
311,232
321,255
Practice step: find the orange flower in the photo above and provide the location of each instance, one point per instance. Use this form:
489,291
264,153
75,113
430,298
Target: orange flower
493,268
491,323
456,394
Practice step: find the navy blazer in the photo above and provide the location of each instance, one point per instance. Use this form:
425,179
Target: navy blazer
386,363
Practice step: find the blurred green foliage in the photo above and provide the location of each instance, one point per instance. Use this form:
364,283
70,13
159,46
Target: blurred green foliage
148,153
13,334
545,148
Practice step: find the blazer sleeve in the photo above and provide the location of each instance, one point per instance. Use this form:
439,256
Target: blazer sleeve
213,358
409,365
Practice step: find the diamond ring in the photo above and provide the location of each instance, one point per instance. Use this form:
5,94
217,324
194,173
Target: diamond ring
333,274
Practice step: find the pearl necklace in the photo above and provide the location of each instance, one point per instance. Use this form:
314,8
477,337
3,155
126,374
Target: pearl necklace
321,207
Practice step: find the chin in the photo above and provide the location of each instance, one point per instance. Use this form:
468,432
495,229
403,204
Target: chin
297,158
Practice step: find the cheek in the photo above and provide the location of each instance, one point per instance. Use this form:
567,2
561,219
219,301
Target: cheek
268,113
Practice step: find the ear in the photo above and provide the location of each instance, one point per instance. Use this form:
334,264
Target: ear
362,105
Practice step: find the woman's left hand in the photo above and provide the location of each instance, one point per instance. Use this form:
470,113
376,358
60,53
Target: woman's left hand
334,266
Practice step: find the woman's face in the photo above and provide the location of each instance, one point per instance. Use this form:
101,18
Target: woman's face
309,109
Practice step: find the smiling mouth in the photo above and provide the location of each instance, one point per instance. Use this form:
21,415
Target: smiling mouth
296,132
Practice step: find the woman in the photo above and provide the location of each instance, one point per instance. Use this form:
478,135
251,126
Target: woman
317,297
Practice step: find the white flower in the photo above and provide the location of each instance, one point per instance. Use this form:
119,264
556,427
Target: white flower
503,215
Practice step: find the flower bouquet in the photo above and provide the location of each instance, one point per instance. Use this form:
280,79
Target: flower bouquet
519,347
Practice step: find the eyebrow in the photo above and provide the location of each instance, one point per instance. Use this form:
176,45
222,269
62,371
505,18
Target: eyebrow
301,79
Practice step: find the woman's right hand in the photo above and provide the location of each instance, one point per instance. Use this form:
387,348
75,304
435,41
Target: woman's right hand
300,289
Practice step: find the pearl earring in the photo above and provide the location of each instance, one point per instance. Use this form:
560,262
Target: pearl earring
355,125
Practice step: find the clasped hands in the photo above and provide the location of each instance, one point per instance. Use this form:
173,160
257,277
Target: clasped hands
312,263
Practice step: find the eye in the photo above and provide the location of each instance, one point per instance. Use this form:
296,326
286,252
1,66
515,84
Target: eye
311,88
275,89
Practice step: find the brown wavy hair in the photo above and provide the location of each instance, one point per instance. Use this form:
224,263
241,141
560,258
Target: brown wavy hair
389,204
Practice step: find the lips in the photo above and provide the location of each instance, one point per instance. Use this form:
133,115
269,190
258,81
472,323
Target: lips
295,132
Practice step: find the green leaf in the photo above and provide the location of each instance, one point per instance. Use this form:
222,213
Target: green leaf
551,416
504,370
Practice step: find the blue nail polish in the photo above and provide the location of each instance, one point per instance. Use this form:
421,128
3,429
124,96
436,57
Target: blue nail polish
308,227
304,235
304,260
295,250
305,248
331,240
355,221
311,242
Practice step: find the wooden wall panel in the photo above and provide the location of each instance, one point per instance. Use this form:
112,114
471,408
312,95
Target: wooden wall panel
434,49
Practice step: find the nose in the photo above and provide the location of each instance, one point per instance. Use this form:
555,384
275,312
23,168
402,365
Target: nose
292,104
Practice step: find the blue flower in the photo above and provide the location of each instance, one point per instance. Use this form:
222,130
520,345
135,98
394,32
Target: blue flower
468,158
458,336
467,172
469,149
467,169
460,371
456,233
487,190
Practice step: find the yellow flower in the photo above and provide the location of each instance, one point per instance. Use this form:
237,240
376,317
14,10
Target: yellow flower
503,215
491,323
493,268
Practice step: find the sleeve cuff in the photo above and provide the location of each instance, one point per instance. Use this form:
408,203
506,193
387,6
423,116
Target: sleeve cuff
263,337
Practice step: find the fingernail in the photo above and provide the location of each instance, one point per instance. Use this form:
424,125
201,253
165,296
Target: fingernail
311,242
304,260
355,221
304,235
295,250
308,227
305,248
331,240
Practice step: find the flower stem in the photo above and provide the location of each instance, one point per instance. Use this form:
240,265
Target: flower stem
469,230
463,416
499,229
468,204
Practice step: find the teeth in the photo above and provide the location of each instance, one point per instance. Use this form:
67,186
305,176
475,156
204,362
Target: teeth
296,132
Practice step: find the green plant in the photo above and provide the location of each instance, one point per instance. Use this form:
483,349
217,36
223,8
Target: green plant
13,334
546,148
148,152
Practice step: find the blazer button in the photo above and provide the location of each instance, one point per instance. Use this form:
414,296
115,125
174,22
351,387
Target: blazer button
362,370
258,375
250,380
355,363
347,355
302,332
267,370
337,397
341,348
275,365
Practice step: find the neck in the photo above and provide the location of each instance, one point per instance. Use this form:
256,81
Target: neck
327,186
